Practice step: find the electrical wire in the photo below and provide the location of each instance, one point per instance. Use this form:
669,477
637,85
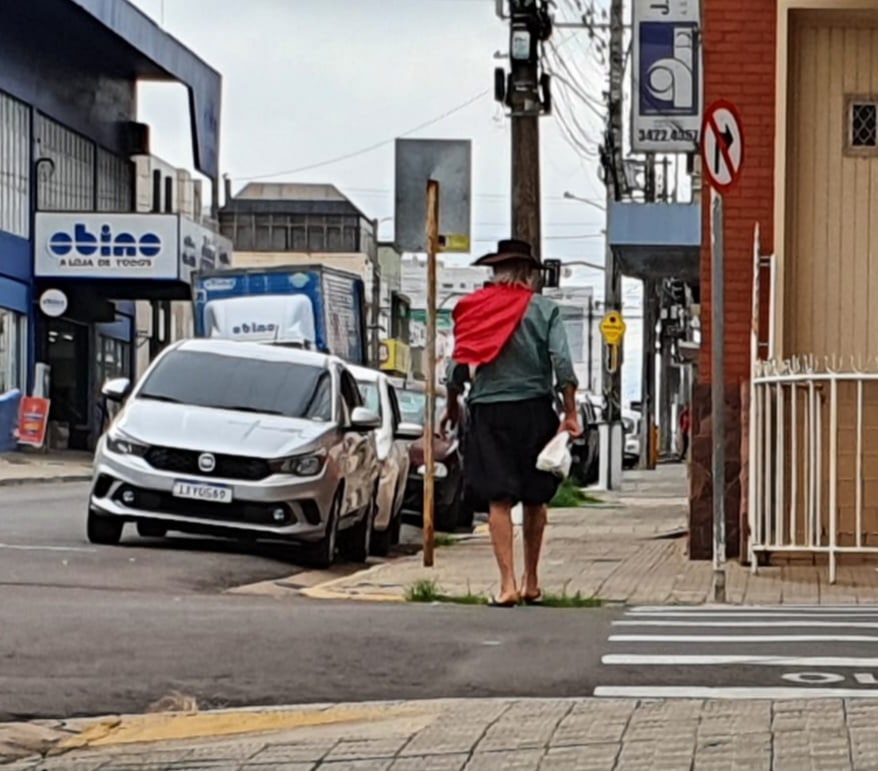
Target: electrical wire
370,148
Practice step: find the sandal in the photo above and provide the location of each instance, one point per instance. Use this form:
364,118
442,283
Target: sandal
495,603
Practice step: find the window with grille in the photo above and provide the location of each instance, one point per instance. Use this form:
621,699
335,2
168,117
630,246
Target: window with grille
862,126
68,184
15,176
114,182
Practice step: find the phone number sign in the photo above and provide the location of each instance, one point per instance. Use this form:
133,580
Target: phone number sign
667,76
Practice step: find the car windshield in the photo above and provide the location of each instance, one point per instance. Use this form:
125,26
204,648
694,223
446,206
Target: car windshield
242,384
412,405
371,397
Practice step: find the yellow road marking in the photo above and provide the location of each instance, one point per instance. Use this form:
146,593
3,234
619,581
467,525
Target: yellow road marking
179,726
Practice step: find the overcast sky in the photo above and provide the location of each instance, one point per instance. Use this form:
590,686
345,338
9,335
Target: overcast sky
306,81
309,81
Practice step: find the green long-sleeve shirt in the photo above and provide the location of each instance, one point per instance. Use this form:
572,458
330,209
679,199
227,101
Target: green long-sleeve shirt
535,358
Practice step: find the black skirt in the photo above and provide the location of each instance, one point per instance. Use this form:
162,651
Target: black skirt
501,447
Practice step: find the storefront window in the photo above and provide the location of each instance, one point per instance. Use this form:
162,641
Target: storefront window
113,357
10,350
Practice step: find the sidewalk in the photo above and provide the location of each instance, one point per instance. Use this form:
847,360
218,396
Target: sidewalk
476,735
31,467
631,549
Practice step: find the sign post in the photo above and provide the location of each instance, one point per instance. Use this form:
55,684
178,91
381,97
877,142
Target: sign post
430,412
611,439
444,168
722,151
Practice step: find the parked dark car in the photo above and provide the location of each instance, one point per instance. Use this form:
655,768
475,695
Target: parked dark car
451,510
586,448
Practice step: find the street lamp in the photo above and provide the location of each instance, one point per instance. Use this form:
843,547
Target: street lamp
570,197
583,264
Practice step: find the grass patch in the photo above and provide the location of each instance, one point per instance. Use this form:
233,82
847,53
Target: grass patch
444,539
571,496
565,600
426,590
423,590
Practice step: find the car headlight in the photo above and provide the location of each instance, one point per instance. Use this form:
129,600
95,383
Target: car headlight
440,471
301,465
122,445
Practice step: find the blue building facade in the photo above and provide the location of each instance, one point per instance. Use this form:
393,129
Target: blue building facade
68,77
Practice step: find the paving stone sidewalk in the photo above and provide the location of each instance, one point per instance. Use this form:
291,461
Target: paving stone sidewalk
508,735
32,467
631,549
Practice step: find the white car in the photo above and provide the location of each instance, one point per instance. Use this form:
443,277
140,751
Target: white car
633,449
241,440
392,440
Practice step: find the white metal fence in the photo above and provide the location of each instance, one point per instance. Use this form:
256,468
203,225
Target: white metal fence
813,459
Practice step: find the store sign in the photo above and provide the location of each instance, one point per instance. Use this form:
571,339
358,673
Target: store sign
666,76
53,303
95,245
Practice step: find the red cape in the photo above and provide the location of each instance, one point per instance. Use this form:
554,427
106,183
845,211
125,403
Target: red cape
485,320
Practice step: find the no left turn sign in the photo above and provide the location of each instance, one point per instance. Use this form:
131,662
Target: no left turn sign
722,145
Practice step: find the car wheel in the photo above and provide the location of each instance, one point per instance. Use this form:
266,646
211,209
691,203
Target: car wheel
151,530
358,539
321,554
103,530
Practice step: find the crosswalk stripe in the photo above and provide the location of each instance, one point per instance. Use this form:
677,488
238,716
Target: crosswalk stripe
728,692
737,638
752,624
757,614
713,659
725,653
735,609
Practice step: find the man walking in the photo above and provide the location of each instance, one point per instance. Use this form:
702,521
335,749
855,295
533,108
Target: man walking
511,347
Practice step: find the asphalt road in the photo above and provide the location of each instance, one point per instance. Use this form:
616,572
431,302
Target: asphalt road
89,630
42,543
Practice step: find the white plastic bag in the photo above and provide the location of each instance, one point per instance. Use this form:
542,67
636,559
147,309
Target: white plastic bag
555,457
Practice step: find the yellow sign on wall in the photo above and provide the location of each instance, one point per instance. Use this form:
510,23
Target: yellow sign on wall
613,328
395,356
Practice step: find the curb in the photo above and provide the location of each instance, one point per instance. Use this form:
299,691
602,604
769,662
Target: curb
324,591
64,478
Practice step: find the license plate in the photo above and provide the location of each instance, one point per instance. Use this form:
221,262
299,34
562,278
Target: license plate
198,491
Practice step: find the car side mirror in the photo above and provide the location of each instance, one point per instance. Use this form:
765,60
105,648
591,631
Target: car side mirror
364,420
409,431
117,389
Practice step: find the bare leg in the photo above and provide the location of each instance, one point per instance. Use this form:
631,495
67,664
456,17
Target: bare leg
502,539
534,527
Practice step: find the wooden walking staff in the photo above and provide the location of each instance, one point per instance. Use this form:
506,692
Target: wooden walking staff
430,415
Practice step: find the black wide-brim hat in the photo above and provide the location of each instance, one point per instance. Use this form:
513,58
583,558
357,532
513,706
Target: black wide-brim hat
510,250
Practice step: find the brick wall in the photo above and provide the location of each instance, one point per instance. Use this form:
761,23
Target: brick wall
739,61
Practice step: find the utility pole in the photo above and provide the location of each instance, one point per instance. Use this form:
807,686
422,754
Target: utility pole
611,158
650,319
526,92
375,314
